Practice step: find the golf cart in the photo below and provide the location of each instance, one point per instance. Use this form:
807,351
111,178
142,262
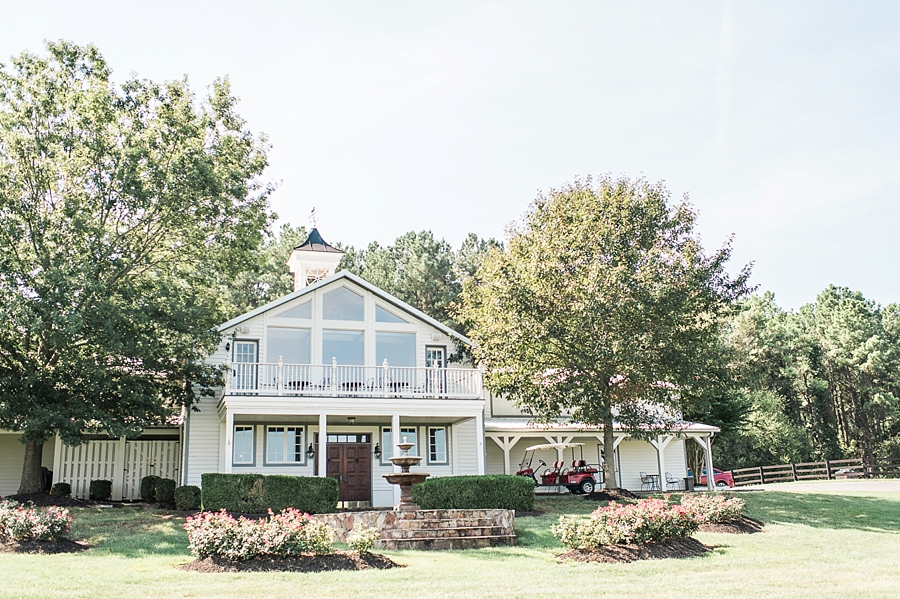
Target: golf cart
576,475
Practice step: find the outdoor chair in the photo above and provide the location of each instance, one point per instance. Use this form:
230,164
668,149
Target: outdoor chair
672,481
646,482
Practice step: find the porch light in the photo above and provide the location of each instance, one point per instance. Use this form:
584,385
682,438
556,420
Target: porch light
310,451
377,451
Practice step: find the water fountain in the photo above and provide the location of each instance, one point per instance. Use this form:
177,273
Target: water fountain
405,478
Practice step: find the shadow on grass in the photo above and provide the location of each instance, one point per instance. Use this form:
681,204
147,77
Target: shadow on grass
130,532
825,511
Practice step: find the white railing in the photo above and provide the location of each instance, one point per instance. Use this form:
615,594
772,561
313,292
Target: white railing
335,380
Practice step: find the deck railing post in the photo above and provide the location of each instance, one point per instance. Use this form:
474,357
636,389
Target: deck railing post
279,381
334,370
384,377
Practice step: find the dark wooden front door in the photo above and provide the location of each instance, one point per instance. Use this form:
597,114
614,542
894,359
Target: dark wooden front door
349,463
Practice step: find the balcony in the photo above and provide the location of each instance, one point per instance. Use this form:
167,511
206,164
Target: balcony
336,380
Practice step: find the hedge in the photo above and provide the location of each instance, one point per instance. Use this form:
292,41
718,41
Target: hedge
164,491
100,490
187,497
61,490
256,493
479,492
148,488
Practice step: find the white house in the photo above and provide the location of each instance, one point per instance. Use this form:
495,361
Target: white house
324,382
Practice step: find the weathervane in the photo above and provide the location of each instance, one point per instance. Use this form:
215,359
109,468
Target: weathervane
312,217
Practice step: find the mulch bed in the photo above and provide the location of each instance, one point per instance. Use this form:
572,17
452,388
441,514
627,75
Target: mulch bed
611,495
624,554
339,560
43,547
743,526
46,500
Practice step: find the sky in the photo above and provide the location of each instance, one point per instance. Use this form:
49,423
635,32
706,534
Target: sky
779,120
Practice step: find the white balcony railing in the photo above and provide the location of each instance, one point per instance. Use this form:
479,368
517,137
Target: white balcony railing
336,380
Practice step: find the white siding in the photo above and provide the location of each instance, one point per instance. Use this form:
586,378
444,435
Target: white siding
12,458
466,450
203,439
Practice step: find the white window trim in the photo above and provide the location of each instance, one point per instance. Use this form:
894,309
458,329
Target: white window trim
446,459
303,444
387,452
252,462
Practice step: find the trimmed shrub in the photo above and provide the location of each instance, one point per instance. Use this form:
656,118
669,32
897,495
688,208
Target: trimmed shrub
362,538
256,494
148,488
187,497
714,509
100,490
290,533
647,521
164,491
493,491
18,523
61,490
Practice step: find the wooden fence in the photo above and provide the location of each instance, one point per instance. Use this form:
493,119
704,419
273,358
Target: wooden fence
827,470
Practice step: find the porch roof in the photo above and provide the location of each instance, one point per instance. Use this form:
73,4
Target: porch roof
518,425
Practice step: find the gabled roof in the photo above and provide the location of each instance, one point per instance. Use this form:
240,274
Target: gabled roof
315,243
346,274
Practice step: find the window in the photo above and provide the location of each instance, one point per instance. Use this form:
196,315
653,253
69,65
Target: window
387,448
347,347
301,311
284,445
243,445
382,315
342,304
292,345
399,349
244,366
437,445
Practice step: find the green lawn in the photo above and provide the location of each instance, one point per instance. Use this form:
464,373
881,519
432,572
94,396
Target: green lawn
815,545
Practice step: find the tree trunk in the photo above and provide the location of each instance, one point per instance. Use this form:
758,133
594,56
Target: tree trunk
32,481
609,454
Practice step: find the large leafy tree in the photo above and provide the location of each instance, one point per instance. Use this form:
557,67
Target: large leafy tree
603,305
121,207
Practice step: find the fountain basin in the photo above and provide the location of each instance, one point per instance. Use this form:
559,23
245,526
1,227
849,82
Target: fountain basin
406,478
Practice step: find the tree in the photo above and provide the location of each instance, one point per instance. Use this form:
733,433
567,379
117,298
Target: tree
120,210
603,305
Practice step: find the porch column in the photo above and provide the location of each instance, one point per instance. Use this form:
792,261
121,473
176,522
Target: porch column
660,444
479,441
710,478
118,478
229,440
395,451
323,444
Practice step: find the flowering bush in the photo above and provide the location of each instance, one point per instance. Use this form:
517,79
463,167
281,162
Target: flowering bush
713,509
291,532
19,523
362,538
647,521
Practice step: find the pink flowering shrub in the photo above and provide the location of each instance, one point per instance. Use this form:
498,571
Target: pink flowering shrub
291,532
647,521
714,508
20,523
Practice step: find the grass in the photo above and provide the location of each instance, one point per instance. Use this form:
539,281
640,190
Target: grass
815,545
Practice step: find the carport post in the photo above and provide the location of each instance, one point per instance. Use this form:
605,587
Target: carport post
710,477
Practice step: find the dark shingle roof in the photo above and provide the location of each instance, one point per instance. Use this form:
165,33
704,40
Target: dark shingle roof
315,243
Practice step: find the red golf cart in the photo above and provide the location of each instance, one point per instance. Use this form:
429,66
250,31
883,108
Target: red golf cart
576,474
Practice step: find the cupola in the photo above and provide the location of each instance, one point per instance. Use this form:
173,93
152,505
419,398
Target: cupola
313,260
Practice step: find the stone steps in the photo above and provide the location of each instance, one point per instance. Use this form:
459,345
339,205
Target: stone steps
472,542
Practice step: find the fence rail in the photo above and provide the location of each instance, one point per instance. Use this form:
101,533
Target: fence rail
827,470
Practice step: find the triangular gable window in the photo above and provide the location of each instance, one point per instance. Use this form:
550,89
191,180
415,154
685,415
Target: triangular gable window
302,311
382,315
